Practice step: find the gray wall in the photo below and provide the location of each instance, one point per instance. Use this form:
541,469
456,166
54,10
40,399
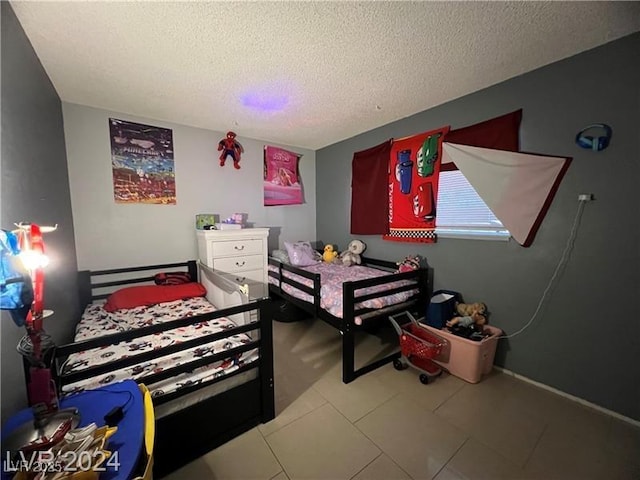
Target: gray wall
115,235
585,340
35,188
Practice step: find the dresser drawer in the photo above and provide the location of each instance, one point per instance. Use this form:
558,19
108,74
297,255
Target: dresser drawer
251,275
239,264
236,247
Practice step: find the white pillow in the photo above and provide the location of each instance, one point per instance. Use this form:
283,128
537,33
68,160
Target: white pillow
282,256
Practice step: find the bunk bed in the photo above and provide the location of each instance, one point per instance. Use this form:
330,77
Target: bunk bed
364,303
221,383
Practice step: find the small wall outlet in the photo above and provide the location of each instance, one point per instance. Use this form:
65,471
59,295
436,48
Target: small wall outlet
585,197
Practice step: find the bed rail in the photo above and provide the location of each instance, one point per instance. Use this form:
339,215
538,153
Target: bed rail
380,263
416,280
355,318
89,283
313,291
63,352
129,335
87,286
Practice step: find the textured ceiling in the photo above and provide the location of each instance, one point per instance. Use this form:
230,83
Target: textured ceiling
306,74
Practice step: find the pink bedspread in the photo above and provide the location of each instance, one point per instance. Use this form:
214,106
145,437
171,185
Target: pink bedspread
331,280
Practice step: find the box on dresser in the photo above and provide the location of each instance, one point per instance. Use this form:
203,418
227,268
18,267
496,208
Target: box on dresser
204,220
228,226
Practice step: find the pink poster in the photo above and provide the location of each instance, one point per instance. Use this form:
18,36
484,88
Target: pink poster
281,180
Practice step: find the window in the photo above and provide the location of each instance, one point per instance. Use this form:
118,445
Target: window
462,213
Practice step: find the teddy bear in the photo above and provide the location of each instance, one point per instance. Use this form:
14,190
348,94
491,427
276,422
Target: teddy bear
351,256
329,254
468,309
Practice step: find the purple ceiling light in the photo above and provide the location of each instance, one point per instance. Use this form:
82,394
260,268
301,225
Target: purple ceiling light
264,101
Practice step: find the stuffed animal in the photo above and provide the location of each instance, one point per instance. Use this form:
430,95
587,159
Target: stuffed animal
329,254
351,256
474,320
409,263
468,309
230,147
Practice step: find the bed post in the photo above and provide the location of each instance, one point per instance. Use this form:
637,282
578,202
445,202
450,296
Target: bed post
316,294
348,336
192,265
84,289
280,278
266,359
426,283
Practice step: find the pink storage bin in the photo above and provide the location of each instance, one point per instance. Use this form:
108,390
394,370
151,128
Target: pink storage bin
465,358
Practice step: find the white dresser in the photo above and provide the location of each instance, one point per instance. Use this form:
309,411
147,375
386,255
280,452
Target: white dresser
241,252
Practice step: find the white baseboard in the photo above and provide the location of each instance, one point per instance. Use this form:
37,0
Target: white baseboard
582,401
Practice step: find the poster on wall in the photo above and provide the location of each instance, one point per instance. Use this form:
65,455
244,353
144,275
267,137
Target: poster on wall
142,163
282,184
414,168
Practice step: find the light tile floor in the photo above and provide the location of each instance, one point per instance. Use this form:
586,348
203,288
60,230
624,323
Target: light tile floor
387,425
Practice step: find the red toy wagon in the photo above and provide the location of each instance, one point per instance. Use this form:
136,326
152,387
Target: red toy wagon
418,346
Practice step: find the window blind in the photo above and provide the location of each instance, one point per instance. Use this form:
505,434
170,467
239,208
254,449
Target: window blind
461,211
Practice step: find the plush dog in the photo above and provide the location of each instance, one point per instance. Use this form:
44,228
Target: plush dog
351,256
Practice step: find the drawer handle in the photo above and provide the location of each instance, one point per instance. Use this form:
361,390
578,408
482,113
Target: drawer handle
240,280
238,264
241,247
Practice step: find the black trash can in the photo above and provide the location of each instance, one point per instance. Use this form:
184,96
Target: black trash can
442,308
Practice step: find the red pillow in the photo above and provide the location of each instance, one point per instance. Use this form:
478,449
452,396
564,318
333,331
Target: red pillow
132,297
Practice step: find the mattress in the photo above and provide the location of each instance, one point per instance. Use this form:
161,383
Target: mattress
332,276
96,321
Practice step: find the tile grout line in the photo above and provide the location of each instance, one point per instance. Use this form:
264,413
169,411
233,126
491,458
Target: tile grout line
298,418
274,456
327,401
468,434
471,436
448,398
382,452
526,462
451,457
363,468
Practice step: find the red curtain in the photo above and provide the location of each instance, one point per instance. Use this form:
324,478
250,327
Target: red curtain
500,133
369,198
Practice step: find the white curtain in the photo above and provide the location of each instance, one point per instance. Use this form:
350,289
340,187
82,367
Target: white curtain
517,187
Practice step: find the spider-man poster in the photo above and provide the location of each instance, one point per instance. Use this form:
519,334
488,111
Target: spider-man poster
414,167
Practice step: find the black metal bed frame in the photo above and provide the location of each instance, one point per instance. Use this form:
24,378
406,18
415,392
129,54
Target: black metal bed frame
346,325
184,435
